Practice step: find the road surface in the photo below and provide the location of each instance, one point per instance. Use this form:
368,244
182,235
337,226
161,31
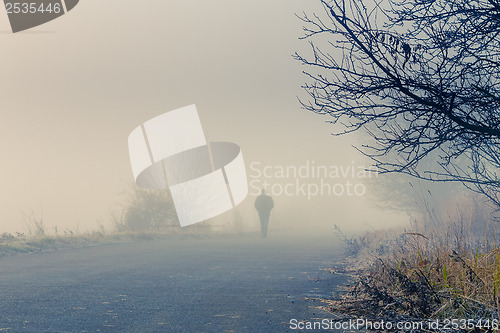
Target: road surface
215,284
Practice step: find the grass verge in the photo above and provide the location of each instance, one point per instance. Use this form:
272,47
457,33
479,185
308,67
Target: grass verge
448,275
19,243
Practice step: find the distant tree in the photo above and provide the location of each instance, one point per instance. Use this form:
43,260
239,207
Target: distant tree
147,209
422,77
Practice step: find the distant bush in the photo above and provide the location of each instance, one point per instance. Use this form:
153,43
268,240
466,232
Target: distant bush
145,210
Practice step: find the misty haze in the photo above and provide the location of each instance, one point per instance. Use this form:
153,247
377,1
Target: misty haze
331,162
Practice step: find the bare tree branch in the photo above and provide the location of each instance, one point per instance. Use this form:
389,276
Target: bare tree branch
424,83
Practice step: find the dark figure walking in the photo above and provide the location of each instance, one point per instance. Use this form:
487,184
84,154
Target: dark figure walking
264,203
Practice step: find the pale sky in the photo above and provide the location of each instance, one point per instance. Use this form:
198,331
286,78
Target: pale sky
73,89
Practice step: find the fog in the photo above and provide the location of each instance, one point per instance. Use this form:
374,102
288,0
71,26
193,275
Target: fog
73,89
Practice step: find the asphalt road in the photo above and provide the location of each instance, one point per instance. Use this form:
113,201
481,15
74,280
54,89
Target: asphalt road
216,284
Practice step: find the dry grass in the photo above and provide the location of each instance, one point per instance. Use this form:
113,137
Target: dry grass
434,272
20,243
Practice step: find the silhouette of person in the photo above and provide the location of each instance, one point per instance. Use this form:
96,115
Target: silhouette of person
264,204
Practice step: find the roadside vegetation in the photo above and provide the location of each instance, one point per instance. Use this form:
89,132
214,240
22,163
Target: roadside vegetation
143,215
434,269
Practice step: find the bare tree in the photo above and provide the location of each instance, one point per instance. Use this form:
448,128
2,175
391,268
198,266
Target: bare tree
421,76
